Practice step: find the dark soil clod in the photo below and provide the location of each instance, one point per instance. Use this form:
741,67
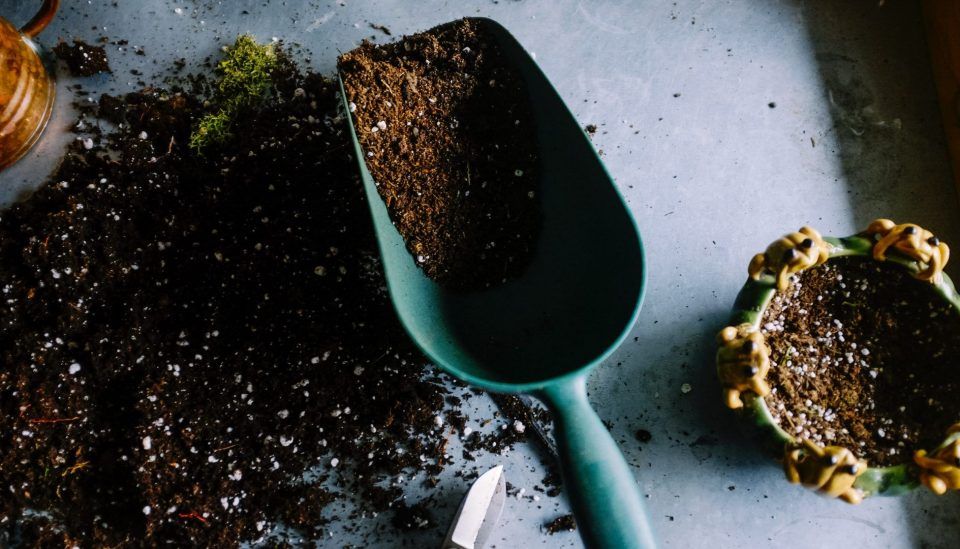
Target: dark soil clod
563,523
643,435
83,59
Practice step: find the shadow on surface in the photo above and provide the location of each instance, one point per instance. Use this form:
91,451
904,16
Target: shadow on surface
876,76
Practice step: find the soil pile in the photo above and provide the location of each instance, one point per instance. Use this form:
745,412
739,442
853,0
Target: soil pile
184,336
864,357
449,136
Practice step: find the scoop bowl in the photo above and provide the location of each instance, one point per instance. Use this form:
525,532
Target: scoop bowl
544,331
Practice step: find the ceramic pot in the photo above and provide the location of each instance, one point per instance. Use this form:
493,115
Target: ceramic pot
743,364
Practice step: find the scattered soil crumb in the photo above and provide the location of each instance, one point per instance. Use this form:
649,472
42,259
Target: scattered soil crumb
381,28
563,523
413,517
643,435
83,59
521,422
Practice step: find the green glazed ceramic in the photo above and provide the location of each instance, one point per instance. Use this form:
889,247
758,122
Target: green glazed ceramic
750,304
542,333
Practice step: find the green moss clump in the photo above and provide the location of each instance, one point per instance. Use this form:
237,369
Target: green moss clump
213,128
245,78
245,72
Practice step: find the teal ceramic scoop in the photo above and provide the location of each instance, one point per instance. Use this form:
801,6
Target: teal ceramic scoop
542,333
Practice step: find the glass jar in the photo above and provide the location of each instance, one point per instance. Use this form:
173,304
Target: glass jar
26,89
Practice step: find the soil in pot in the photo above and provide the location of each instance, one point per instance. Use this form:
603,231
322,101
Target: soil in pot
865,357
449,137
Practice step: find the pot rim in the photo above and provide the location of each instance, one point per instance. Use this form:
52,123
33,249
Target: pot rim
749,306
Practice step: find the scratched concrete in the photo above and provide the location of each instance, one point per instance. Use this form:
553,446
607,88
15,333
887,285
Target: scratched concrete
680,92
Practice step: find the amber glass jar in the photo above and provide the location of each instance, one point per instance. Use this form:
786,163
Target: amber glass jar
26,90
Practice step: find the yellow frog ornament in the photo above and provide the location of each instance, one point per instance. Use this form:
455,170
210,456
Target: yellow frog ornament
789,255
913,241
743,361
940,471
831,471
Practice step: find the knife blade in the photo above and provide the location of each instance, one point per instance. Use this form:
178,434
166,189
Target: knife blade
479,511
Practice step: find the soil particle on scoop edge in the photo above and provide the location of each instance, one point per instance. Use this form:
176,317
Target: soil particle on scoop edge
865,357
449,138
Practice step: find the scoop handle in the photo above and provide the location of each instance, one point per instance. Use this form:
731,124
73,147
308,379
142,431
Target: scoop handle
596,478
41,19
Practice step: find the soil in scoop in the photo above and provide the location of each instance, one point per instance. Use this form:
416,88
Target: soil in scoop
83,59
450,140
865,357
184,337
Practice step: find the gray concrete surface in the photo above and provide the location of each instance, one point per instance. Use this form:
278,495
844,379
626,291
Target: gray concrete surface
680,93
